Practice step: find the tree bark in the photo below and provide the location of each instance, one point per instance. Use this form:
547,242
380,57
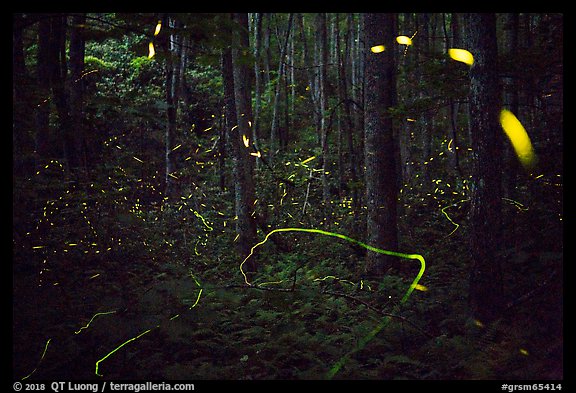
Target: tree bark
77,51
257,77
22,142
244,162
274,129
322,42
381,177
486,291
171,92
43,137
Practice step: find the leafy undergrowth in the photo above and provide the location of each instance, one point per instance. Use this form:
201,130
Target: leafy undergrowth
141,298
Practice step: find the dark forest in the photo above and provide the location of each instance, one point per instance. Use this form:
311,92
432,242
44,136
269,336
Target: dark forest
287,196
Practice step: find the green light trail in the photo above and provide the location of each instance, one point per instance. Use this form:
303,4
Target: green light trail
417,257
117,348
448,217
362,343
40,361
89,322
145,332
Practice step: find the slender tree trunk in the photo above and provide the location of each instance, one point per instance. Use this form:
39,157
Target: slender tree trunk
426,118
77,50
58,72
257,78
323,94
486,290
346,71
511,99
274,129
22,142
311,71
453,104
172,74
245,189
381,177
43,133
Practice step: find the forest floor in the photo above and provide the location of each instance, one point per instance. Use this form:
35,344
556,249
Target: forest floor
181,309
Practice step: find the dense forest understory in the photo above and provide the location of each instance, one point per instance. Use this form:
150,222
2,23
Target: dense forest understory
160,232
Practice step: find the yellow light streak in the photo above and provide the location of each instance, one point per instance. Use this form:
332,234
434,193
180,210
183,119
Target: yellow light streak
404,40
378,49
518,137
246,141
151,51
308,160
158,27
461,55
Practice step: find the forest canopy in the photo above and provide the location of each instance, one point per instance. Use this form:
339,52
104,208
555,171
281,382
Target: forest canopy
287,196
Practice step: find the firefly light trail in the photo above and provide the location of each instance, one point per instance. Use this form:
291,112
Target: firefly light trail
40,361
89,322
362,343
146,331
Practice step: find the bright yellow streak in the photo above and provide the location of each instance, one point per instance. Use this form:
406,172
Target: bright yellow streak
158,27
308,160
420,287
246,140
404,40
378,49
461,55
518,137
151,51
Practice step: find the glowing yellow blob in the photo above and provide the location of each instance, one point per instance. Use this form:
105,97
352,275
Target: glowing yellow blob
151,51
246,140
524,352
461,55
420,287
518,137
158,27
378,48
404,40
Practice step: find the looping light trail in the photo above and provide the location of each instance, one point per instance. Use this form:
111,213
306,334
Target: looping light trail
362,343
417,257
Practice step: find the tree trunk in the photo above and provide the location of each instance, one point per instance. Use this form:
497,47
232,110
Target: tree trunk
381,177
322,42
244,162
257,78
274,129
77,50
43,137
171,92
511,100
453,104
22,142
485,276
58,72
